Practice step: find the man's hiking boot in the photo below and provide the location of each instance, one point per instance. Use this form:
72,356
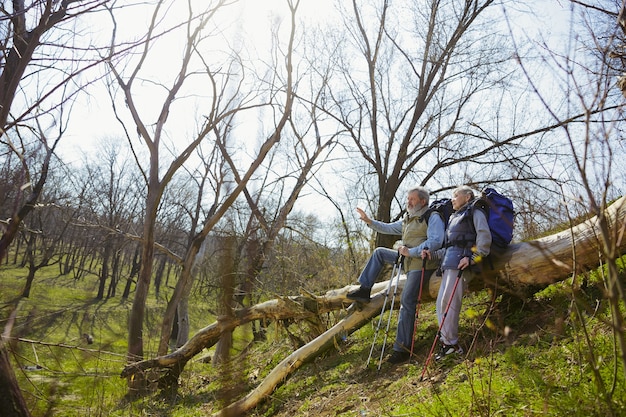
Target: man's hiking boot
362,295
447,350
398,357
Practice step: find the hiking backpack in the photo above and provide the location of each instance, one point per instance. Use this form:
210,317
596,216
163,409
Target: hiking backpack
497,208
500,215
442,206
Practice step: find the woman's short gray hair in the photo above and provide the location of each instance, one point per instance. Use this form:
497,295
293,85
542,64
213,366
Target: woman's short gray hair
464,189
422,193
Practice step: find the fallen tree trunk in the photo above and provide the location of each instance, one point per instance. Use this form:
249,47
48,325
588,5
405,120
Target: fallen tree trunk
354,320
297,307
523,266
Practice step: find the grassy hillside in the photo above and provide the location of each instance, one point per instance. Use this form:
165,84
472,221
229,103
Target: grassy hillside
548,356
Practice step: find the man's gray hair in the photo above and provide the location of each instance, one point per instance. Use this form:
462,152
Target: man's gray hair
464,189
422,193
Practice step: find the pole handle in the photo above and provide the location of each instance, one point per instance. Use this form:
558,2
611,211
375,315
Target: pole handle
400,259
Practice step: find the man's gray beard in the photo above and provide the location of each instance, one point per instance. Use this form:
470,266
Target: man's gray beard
412,212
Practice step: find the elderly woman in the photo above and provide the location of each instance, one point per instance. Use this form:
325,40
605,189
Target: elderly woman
467,241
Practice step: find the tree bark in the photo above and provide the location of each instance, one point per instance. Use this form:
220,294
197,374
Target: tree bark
12,402
226,270
522,267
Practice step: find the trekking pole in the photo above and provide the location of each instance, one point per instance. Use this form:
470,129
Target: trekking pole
443,319
380,318
393,299
419,303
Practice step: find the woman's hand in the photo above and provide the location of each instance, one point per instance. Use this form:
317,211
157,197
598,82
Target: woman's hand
465,262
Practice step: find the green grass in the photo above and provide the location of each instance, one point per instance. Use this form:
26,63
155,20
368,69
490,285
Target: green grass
542,367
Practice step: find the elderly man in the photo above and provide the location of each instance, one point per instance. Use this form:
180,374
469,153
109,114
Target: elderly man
418,233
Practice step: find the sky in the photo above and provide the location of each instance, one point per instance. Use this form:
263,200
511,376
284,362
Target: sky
252,19
92,115
93,119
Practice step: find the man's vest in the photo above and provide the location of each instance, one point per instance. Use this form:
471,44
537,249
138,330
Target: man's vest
414,233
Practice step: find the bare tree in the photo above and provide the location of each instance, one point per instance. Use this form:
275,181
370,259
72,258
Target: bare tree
210,176
111,203
282,84
273,200
45,231
225,98
33,97
588,83
36,33
425,96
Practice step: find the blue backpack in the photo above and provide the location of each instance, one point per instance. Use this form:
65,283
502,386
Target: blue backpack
500,216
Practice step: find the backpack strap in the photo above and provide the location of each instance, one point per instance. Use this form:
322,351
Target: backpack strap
481,204
443,207
426,216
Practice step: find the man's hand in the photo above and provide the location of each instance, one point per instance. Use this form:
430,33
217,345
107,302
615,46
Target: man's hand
404,251
364,216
